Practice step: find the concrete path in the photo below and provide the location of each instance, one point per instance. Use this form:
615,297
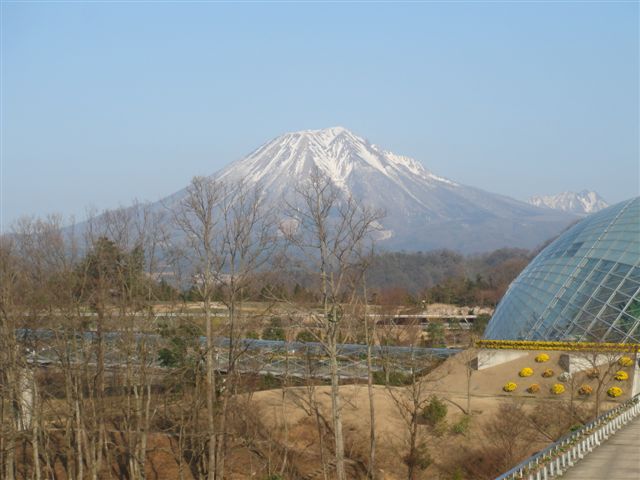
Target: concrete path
618,458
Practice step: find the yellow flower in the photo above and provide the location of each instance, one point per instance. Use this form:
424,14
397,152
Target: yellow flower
625,362
560,346
526,372
547,373
621,375
509,387
557,389
614,392
543,357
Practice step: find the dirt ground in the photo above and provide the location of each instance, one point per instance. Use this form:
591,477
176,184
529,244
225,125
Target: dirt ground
286,421
449,382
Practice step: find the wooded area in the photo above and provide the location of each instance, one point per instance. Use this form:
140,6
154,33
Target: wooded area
118,386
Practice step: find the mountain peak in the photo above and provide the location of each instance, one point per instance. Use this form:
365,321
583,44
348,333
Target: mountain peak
324,136
336,151
424,211
330,131
581,203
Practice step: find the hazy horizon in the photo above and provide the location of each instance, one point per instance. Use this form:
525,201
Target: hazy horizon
105,103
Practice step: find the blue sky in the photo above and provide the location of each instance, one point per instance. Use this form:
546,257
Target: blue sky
103,103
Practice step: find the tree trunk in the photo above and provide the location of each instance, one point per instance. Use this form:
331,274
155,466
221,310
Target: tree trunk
369,336
35,419
211,391
336,411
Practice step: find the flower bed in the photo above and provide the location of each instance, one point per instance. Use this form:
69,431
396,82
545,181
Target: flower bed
533,388
561,346
625,362
585,390
543,357
509,387
548,373
526,372
614,392
557,389
621,375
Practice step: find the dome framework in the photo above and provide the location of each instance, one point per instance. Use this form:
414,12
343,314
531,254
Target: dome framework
584,286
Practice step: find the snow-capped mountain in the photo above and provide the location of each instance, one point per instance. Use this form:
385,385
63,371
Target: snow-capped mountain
581,203
423,210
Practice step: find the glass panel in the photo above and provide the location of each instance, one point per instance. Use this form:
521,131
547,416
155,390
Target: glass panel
626,323
580,286
633,309
628,287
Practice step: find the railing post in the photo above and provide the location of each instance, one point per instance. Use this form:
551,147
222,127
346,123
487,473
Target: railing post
580,450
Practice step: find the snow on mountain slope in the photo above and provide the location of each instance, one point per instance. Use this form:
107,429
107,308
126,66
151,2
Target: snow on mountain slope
336,152
423,210
581,203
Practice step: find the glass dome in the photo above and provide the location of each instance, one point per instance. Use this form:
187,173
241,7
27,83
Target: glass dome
584,286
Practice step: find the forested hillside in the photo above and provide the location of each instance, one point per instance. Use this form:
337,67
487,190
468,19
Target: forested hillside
445,276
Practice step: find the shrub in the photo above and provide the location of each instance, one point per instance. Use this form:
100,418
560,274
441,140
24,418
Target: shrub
435,411
547,373
509,387
621,376
273,333
526,372
557,389
252,334
543,357
269,382
168,358
625,362
614,392
585,390
392,378
457,474
462,426
306,336
533,388
419,458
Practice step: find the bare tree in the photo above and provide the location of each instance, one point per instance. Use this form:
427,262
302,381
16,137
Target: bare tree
468,358
600,366
197,217
329,233
229,237
139,235
9,357
370,335
247,241
35,284
509,433
410,402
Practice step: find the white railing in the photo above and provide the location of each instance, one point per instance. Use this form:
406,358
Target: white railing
554,460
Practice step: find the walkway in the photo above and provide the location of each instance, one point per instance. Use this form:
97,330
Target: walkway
618,458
